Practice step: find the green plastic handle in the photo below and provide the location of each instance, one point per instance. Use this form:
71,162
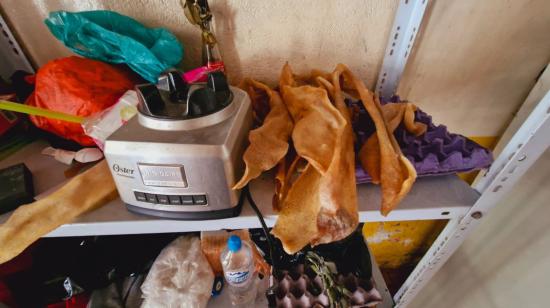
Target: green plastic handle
22,108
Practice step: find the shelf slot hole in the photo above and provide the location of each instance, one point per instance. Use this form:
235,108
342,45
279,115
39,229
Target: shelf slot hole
497,188
445,213
522,157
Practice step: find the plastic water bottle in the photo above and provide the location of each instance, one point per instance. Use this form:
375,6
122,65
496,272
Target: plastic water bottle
238,269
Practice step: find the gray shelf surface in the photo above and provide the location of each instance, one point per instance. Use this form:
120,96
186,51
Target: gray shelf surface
438,197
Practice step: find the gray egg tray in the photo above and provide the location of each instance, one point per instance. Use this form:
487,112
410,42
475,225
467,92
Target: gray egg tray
303,288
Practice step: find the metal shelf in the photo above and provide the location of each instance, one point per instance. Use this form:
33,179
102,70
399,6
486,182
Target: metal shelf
442,197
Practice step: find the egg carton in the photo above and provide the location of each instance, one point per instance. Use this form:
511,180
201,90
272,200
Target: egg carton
304,288
436,152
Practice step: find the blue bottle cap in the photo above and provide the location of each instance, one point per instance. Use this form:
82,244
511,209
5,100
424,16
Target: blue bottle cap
234,243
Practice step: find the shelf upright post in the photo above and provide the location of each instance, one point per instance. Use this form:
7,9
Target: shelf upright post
398,49
524,148
12,57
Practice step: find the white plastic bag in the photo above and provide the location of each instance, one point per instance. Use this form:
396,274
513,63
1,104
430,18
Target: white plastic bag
180,277
102,124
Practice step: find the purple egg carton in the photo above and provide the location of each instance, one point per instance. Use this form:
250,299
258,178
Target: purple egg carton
437,152
299,287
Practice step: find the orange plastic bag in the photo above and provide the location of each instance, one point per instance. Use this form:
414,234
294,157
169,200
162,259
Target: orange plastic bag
76,86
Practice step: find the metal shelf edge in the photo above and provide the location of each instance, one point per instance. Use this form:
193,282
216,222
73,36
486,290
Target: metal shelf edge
440,197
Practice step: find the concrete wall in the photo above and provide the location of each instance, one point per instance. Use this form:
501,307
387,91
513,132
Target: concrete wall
256,37
472,66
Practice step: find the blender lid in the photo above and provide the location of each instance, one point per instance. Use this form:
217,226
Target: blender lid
174,104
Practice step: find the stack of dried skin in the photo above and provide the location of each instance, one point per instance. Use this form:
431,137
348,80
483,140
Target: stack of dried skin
320,206
316,191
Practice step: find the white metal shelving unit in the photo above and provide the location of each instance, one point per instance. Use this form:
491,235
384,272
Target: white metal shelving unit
444,197
114,219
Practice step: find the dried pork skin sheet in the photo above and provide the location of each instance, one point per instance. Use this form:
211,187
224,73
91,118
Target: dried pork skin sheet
269,142
318,124
394,114
87,191
338,215
396,172
296,225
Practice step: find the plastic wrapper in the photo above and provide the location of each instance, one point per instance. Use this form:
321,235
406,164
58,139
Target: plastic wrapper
115,38
180,276
199,74
86,155
76,86
102,124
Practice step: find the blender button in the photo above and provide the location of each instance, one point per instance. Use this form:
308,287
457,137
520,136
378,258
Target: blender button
140,196
187,200
174,200
163,199
151,198
199,199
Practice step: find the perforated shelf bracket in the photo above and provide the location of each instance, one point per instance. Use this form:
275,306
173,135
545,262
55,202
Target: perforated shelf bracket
404,29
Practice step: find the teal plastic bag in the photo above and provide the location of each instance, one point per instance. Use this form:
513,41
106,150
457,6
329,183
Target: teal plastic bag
115,38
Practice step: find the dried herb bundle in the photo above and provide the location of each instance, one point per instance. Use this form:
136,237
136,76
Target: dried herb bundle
338,296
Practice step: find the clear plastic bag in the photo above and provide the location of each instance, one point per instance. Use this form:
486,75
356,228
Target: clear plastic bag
102,124
179,277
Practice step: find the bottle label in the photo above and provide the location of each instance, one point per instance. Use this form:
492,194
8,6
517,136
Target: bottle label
237,277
